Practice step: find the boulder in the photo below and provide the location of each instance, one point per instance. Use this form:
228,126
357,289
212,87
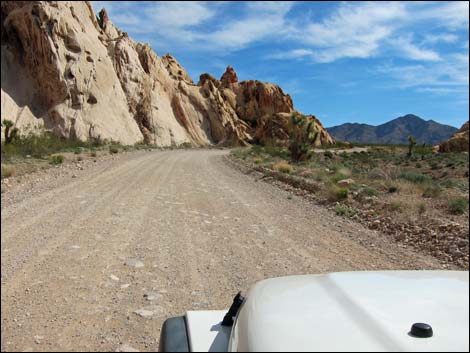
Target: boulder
459,142
345,183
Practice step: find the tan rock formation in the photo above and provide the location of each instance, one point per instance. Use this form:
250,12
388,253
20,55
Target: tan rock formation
82,77
266,108
459,142
175,70
73,86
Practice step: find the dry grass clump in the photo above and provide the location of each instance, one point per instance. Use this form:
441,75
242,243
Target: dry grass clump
7,171
283,167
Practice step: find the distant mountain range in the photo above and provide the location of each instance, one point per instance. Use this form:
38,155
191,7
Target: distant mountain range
395,131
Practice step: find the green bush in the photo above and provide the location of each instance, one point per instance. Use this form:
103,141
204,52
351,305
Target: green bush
328,155
369,191
342,210
342,193
416,178
458,205
56,159
39,144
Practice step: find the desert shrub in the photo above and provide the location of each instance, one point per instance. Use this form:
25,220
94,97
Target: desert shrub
416,178
257,160
93,154
334,193
302,137
328,155
454,183
56,159
458,205
113,149
283,167
418,165
39,144
342,193
275,151
7,171
421,208
395,206
377,174
342,210
369,191
392,189
432,191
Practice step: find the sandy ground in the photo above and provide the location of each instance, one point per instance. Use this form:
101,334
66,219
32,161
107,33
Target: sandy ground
80,253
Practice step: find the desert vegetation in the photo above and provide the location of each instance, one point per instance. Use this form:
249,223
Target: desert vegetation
417,196
39,149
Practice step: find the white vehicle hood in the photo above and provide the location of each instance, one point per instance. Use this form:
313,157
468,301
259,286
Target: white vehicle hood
355,311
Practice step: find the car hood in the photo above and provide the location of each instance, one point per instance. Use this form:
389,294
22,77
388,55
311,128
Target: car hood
355,311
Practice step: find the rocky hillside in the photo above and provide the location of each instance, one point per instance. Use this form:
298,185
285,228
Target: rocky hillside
459,142
394,132
79,76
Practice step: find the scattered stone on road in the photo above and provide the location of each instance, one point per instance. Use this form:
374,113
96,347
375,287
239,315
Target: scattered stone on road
144,313
152,296
134,263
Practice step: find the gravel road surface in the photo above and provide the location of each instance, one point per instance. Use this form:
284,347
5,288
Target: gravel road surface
99,260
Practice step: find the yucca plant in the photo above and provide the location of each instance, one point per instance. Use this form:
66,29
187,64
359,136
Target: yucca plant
411,144
302,137
10,134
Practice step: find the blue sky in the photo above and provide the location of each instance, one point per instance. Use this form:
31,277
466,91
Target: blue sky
364,62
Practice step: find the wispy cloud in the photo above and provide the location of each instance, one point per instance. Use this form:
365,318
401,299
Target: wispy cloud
291,54
449,76
440,38
411,51
353,30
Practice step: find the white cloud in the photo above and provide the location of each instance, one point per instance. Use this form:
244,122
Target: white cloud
438,38
451,73
350,30
449,14
413,52
353,30
291,54
263,20
180,14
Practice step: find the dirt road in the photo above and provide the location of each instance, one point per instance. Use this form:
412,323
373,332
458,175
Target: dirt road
182,227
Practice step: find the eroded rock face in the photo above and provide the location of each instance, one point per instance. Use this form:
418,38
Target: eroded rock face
82,77
74,89
266,109
459,142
